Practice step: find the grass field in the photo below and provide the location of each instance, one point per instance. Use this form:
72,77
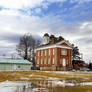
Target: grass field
37,75
80,77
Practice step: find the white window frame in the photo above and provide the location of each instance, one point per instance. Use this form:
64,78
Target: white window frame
64,52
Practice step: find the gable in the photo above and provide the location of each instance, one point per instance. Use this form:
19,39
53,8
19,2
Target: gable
64,44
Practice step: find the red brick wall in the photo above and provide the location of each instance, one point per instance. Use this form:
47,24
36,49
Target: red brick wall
67,57
57,57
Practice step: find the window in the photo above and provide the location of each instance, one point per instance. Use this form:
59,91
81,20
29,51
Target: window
44,60
64,52
45,52
48,60
60,61
41,61
38,61
15,67
41,53
18,66
53,61
38,53
53,51
49,51
67,61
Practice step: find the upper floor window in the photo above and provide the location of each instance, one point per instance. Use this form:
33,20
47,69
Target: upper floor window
38,53
64,52
53,51
45,52
41,53
49,51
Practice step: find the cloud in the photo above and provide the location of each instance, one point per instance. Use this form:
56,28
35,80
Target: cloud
9,12
80,1
19,4
18,18
12,27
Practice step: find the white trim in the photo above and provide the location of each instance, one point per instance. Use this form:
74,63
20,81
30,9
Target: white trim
53,46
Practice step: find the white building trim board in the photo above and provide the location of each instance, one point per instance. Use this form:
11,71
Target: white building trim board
53,46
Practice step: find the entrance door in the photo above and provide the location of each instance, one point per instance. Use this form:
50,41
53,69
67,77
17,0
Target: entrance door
64,62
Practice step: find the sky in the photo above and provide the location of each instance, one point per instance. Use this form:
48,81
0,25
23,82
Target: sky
71,19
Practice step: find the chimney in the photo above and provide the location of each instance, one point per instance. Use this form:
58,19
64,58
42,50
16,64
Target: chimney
52,39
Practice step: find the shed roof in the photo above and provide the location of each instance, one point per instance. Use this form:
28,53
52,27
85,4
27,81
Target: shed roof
14,61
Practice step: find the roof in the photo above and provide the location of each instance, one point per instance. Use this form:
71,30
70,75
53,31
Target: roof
48,44
14,61
57,43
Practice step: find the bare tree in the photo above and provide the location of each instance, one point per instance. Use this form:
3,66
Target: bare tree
26,47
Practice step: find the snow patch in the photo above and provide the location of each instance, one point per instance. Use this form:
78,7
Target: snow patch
8,89
86,84
24,78
63,83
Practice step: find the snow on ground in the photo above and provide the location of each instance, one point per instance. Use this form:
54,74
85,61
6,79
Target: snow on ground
63,72
5,87
13,84
63,83
9,86
8,89
41,90
53,79
33,75
24,78
86,84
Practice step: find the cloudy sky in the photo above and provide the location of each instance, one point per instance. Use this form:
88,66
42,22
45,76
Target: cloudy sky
70,18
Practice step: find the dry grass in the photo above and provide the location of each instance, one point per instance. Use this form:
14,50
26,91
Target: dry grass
74,89
37,75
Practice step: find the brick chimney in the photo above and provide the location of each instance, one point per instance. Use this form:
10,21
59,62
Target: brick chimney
52,39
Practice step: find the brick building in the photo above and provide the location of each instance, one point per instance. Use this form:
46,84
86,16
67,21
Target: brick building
54,54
